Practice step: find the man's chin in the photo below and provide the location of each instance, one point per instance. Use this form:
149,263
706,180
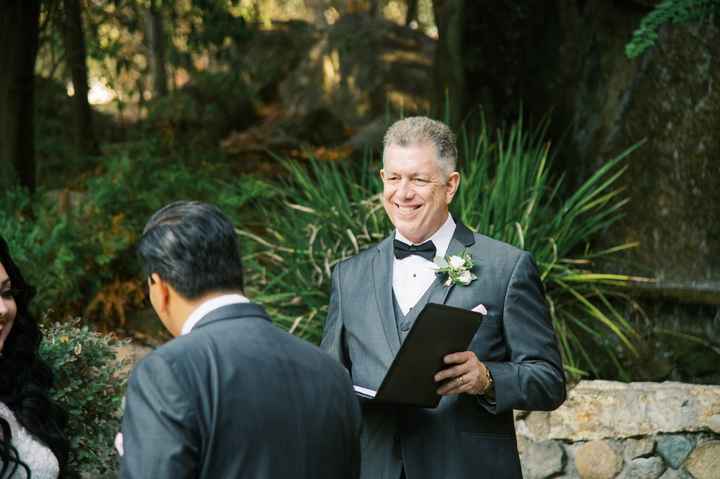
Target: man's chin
413,234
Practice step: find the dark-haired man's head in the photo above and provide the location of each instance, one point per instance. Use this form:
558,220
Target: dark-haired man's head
189,253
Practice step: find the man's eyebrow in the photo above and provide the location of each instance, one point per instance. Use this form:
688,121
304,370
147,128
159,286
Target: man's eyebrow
5,281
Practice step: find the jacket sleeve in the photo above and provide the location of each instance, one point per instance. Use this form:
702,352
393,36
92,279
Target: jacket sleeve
333,340
532,377
158,436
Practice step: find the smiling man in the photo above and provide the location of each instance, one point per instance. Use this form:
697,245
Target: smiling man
513,361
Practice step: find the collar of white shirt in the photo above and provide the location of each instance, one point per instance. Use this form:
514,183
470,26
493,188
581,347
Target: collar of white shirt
209,306
412,276
441,238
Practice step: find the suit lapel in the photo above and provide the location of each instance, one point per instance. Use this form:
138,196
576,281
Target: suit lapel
382,283
462,238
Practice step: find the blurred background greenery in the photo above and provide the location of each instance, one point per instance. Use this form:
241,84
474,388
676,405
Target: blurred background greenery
588,136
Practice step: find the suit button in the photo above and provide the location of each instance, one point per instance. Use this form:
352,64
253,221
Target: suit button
404,327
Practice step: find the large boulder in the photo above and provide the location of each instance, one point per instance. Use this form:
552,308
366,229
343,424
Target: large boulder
568,58
667,98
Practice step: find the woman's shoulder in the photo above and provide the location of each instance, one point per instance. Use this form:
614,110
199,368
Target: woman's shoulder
39,458
6,413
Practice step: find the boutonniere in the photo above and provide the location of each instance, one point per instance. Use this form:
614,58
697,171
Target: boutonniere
458,269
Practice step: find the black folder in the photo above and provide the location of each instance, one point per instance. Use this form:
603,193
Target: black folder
438,331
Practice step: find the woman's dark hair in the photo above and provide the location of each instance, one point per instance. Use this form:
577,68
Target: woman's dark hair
25,380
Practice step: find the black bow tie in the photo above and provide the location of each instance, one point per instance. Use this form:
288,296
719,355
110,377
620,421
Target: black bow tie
403,250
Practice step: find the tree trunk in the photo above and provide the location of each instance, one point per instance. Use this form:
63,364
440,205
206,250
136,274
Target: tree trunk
375,8
75,55
412,12
19,21
155,38
448,101
505,46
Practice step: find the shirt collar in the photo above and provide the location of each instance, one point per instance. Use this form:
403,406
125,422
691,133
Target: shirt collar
441,238
211,305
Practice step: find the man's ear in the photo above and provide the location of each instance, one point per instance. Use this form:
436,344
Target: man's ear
453,183
161,292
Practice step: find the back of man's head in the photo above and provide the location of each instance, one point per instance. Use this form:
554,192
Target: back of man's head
192,246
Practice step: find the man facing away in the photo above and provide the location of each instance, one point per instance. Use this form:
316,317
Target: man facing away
513,361
232,396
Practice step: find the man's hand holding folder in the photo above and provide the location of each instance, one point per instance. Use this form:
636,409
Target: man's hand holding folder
434,341
469,376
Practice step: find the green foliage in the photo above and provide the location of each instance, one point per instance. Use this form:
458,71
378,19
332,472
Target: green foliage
668,11
203,111
332,211
508,194
77,248
329,212
90,389
41,245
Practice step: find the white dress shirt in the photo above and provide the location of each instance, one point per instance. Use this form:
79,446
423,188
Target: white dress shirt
211,305
413,275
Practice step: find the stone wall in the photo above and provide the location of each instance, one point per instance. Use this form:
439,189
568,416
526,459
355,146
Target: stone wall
609,430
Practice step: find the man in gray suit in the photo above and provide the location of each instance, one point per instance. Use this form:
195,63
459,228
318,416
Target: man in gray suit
232,396
513,361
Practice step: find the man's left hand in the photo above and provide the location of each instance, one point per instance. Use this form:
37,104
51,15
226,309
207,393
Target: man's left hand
468,375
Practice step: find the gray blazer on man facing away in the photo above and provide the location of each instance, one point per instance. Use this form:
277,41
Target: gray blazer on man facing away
465,436
239,398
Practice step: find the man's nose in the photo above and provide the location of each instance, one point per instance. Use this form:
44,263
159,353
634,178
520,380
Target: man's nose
405,189
3,308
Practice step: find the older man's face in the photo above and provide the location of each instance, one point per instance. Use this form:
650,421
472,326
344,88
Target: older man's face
416,193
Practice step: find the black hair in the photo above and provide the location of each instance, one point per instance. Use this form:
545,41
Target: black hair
25,379
193,246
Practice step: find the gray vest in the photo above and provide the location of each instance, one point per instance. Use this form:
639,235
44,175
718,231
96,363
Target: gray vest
404,322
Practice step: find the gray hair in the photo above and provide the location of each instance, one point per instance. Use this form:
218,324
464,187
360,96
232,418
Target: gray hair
421,130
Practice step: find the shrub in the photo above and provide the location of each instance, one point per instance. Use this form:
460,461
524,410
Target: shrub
331,211
40,241
205,110
90,390
80,253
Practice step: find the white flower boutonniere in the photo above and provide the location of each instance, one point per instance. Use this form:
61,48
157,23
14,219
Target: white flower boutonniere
458,269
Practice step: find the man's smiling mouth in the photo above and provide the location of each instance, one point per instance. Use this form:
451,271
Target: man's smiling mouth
407,209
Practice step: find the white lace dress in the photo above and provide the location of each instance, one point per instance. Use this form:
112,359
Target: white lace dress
42,462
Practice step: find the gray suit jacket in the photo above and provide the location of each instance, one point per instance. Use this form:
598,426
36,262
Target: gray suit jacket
239,398
465,436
